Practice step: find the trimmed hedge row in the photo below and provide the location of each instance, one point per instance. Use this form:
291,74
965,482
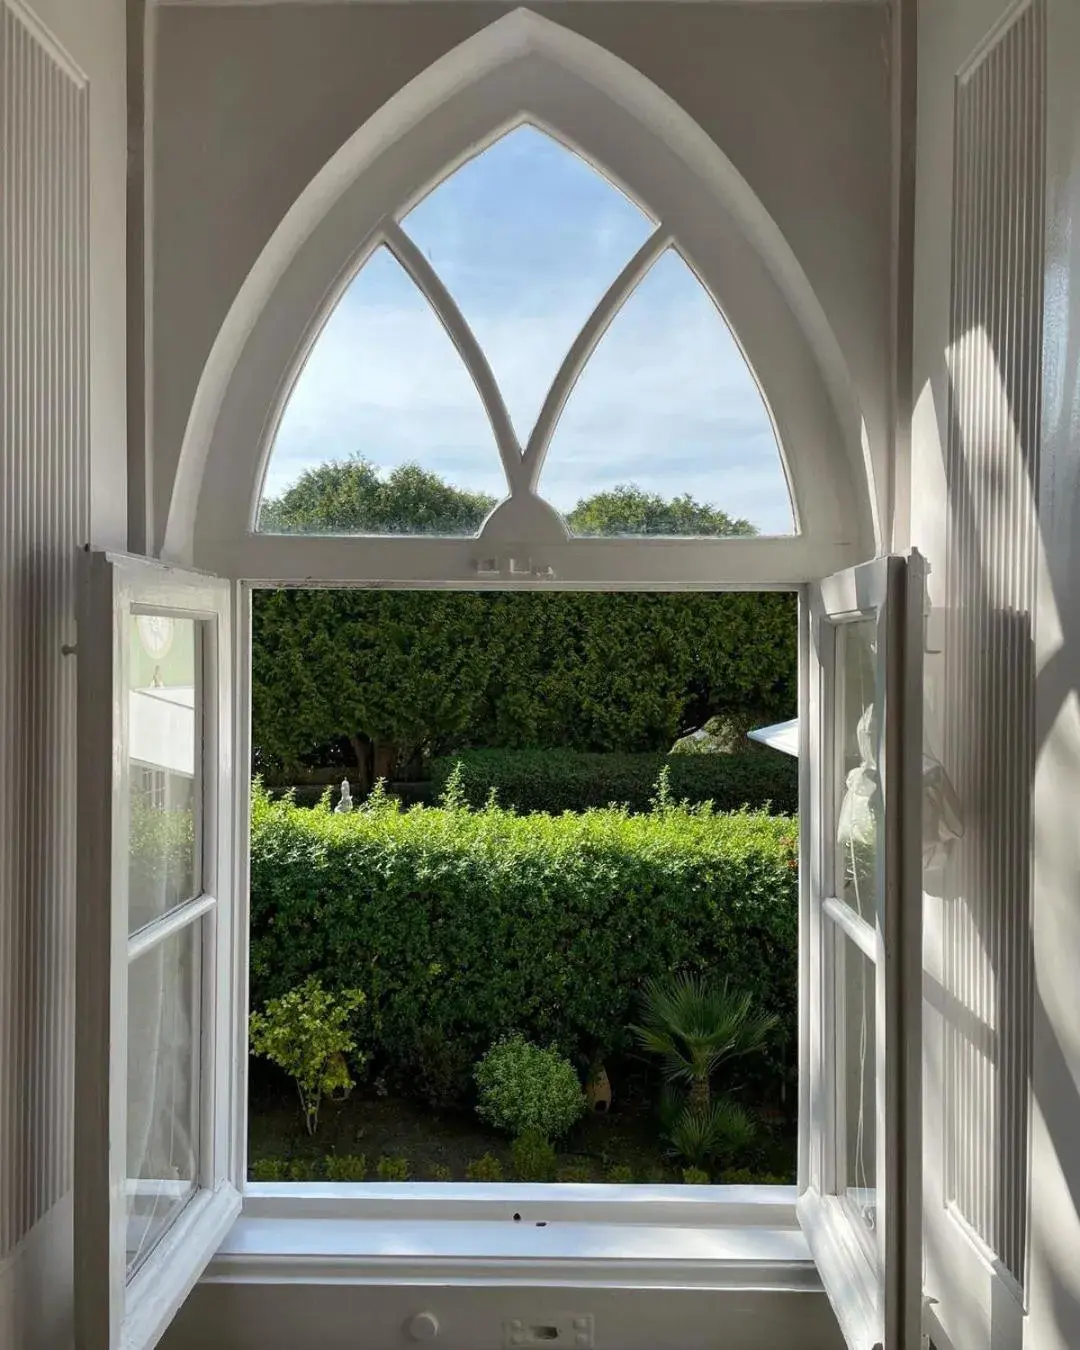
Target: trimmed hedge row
569,780
432,671
461,926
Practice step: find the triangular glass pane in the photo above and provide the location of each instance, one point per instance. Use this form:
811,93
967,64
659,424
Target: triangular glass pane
527,237
666,431
384,432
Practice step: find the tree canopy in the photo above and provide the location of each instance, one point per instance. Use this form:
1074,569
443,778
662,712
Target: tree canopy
352,496
349,496
627,509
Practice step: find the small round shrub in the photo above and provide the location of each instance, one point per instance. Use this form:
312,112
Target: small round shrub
574,1172
487,1168
523,1087
534,1158
620,1174
346,1167
695,1176
440,1172
392,1169
269,1169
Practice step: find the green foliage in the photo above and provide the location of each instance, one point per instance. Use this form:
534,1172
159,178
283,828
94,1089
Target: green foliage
308,1032
574,1173
714,1130
269,1169
568,780
694,1025
351,496
487,1168
392,1169
439,1067
384,667
534,1157
523,1087
627,509
440,671
695,1176
346,1167
620,1175
746,1176
440,1172
473,925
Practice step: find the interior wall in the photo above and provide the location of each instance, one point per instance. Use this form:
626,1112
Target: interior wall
62,483
250,102
1041,503
1054,1275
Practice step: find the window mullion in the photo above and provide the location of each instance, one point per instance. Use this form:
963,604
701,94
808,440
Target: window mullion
146,939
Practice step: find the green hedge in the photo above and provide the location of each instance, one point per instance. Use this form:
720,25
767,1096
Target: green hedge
462,926
566,780
434,671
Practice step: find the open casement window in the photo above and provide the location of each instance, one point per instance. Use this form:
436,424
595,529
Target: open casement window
155,1183
860,962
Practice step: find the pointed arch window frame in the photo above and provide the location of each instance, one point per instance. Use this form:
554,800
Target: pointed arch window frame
522,460
678,177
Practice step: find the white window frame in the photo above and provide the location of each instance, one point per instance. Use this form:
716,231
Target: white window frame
520,68
523,68
696,1236
874,1283
112,1311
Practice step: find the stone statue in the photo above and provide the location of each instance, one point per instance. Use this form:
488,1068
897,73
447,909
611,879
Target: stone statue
345,805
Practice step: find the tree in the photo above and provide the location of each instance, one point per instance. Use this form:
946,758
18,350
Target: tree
628,509
395,672
349,496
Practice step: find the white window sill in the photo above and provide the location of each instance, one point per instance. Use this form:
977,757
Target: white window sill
739,1237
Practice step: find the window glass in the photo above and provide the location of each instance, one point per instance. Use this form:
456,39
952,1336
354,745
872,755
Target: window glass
384,432
858,787
857,1084
527,237
164,863
666,431
162,1095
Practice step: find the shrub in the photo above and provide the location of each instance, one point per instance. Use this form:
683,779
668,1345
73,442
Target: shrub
746,1176
523,1087
346,1167
392,1169
487,1168
577,1173
534,1157
620,1175
471,925
695,1176
569,780
446,670
718,1130
694,1025
269,1169
440,1172
307,1033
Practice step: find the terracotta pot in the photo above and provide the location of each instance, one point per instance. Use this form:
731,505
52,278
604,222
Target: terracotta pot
598,1092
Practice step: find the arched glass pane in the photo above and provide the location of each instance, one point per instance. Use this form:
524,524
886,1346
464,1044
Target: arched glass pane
666,431
527,237
384,432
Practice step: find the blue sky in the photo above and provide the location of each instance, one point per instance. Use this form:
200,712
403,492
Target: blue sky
527,238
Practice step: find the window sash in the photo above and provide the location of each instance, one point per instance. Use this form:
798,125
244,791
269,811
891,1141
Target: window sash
113,1312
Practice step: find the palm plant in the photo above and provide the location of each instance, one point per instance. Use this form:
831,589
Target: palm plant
694,1025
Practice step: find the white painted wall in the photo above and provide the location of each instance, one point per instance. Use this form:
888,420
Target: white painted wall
35,1170
949,31
1054,1321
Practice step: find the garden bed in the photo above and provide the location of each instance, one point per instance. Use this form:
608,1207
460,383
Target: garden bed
439,1145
